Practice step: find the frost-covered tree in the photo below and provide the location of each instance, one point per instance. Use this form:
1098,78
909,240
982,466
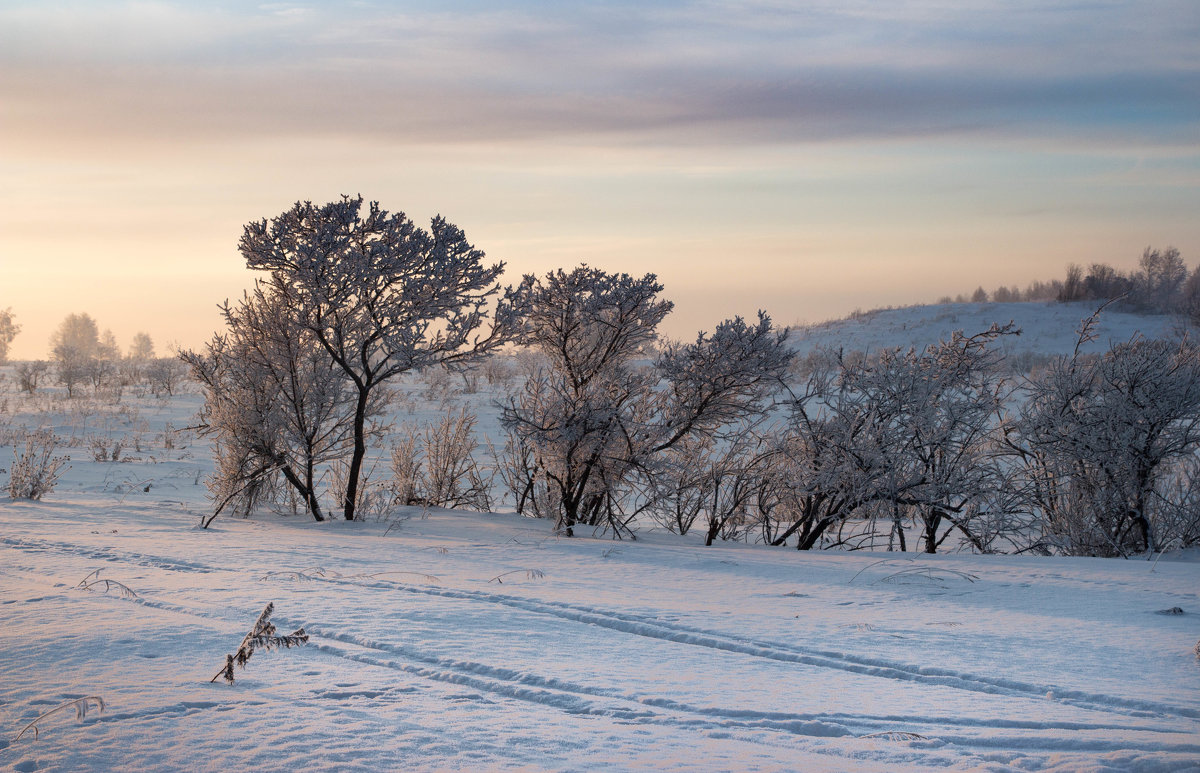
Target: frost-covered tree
597,413
380,295
717,481
1101,443
142,347
906,434
75,348
8,331
943,408
1159,280
30,374
829,461
164,374
275,403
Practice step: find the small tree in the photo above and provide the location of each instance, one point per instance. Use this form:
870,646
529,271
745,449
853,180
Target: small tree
380,295
30,374
8,331
592,419
75,348
1159,281
142,347
165,375
274,400
1099,441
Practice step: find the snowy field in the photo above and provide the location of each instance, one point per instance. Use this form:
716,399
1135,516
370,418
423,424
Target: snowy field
1046,327
464,641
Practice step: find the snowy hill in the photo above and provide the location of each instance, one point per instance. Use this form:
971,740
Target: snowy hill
1046,328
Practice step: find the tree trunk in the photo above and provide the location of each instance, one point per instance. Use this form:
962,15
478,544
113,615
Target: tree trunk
932,521
359,453
306,491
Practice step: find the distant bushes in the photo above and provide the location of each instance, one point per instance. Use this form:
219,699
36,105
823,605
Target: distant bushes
1161,284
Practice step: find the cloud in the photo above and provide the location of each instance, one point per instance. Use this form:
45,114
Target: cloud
718,72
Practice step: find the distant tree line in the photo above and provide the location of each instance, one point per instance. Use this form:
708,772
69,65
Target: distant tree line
82,356
1161,284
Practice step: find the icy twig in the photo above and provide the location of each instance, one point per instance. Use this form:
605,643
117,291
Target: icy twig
81,706
532,574
94,579
263,635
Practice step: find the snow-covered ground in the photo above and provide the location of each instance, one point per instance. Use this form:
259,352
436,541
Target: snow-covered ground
1046,328
451,640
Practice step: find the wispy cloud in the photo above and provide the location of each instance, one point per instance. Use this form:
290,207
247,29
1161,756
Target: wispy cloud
715,72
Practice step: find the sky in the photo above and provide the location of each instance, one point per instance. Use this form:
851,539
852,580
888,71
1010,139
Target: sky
805,158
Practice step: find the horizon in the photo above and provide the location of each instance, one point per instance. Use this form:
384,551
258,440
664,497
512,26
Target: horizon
808,160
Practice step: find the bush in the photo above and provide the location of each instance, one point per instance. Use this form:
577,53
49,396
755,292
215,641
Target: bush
36,471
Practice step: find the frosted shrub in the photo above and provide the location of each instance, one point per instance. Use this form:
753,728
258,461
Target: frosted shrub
1103,447
406,470
36,470
437,466
438,385
30,374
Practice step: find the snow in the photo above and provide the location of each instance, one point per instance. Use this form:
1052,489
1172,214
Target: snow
1046,328
584,654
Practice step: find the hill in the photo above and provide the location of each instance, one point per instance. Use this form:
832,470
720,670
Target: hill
1046,328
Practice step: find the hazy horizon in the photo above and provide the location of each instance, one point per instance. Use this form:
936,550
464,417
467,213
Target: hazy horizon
806,159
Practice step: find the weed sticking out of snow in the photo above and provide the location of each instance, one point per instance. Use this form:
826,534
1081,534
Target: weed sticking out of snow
530,574
916,575
262,636
81,706
95,582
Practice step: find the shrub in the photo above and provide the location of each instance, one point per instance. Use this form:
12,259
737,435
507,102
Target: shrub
36,471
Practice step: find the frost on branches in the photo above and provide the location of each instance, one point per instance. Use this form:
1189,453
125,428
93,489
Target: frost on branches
275,404
1107,447
594,419
380,296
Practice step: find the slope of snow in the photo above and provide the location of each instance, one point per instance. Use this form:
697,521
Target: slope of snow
1046,328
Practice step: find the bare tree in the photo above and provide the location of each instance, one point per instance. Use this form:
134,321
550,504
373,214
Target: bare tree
274,400
379,295
8,331
30,374
1099,441
592,418
1159,281
75,347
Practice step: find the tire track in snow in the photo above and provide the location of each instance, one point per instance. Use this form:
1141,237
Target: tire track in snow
106,554
580,699
641,625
